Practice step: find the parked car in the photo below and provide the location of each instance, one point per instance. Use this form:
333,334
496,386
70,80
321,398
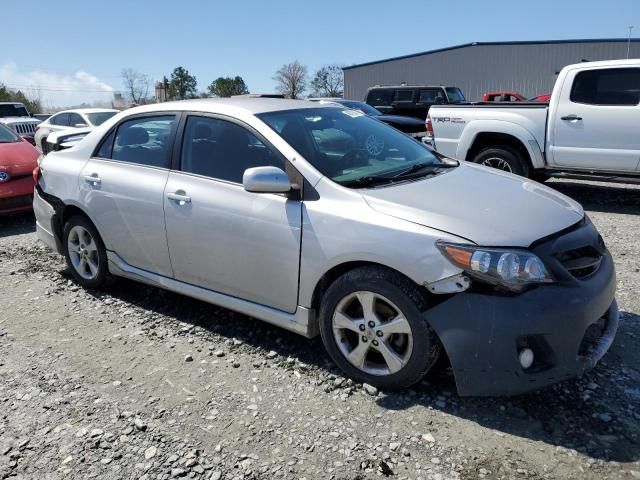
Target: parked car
589,127
411,100
545,97
323,220
16,116
503,97
78,118
18,159
410,125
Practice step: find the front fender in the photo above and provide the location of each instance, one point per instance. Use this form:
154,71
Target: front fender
525,136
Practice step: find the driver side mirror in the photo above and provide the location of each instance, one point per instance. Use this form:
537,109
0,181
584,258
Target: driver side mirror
266,180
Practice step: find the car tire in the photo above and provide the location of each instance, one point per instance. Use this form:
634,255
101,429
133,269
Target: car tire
84,252
406,349
503,158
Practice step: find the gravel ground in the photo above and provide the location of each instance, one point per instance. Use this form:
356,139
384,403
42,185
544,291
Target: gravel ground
136,382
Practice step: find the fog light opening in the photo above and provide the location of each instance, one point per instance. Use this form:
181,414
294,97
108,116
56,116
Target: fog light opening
526,357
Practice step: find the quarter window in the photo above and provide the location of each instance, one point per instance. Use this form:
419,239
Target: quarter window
403,96
379,98
144,141
75,119
611,86
223,150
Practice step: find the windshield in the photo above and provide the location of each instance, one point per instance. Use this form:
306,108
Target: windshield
99,118
13,110
363,107
348,146
7,135
455,95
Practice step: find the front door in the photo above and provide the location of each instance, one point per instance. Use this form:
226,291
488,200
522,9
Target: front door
123,189
222,237
596,122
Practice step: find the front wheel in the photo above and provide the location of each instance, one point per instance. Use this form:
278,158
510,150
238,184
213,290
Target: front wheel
372,327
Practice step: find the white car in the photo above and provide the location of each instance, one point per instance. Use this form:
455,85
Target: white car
589,129
78,118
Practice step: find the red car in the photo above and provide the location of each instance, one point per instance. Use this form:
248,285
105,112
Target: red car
503,97
545,97
18,160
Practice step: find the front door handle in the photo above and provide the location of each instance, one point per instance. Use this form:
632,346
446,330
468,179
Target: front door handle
179,197
571,117
94,179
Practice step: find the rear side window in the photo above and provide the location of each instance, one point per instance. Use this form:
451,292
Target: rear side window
75,119
611,86
379,98
403,96
431,95
143,141
61,119
223,150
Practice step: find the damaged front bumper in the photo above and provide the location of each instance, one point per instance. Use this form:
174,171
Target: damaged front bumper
568,326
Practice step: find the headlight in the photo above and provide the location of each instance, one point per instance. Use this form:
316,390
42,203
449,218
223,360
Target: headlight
512,269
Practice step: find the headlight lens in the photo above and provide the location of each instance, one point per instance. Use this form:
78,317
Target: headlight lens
513,269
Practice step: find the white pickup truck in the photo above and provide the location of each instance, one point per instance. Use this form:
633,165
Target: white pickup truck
589,129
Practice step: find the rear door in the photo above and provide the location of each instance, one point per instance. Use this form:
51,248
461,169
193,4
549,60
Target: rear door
595,125
122,187
220,236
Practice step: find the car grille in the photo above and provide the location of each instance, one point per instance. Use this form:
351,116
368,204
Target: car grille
581,262
27,128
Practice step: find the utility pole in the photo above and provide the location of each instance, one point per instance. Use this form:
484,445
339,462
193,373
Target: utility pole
629,40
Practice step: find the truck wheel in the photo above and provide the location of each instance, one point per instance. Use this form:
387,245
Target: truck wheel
85,252
503,158
372,327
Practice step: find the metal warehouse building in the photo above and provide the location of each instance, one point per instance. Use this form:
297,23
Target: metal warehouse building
528,67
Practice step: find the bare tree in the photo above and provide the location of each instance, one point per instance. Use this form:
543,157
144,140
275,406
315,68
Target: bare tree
136,85
291,79
328,81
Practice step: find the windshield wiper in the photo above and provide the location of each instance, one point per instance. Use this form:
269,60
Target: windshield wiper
417,167
410,172
366,181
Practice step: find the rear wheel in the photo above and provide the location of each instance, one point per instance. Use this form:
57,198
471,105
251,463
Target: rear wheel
503,158
372,327
85,252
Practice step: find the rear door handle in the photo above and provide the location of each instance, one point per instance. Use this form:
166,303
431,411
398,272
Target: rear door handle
179,197
571,117
93,179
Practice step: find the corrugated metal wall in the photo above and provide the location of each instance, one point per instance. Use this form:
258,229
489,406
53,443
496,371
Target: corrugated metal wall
529,69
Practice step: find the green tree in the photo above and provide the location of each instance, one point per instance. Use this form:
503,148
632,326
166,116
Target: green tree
227,86
328,81
291,79
182,84
7,95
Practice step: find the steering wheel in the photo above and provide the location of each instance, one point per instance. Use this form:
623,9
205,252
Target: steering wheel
356,157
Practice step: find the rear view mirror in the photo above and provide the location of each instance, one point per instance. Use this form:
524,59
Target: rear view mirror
266,180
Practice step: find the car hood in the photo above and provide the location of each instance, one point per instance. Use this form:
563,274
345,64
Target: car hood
400,120
10,120
18,158
483,205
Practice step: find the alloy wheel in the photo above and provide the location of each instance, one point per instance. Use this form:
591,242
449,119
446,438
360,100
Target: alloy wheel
372,333
83,252
497,163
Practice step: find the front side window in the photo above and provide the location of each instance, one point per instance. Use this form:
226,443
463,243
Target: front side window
610,86
223,150
455,95
431,95
348,146
98,118
144,141
75,119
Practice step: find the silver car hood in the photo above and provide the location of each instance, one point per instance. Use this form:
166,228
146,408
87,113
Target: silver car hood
484,205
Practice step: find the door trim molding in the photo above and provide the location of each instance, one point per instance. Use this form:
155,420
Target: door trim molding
302,321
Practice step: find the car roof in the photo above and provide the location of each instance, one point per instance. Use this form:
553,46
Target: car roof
86,110
229,105
382,87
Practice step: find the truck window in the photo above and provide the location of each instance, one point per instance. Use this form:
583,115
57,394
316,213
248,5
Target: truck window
610,86
379,98
403,95
431,95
